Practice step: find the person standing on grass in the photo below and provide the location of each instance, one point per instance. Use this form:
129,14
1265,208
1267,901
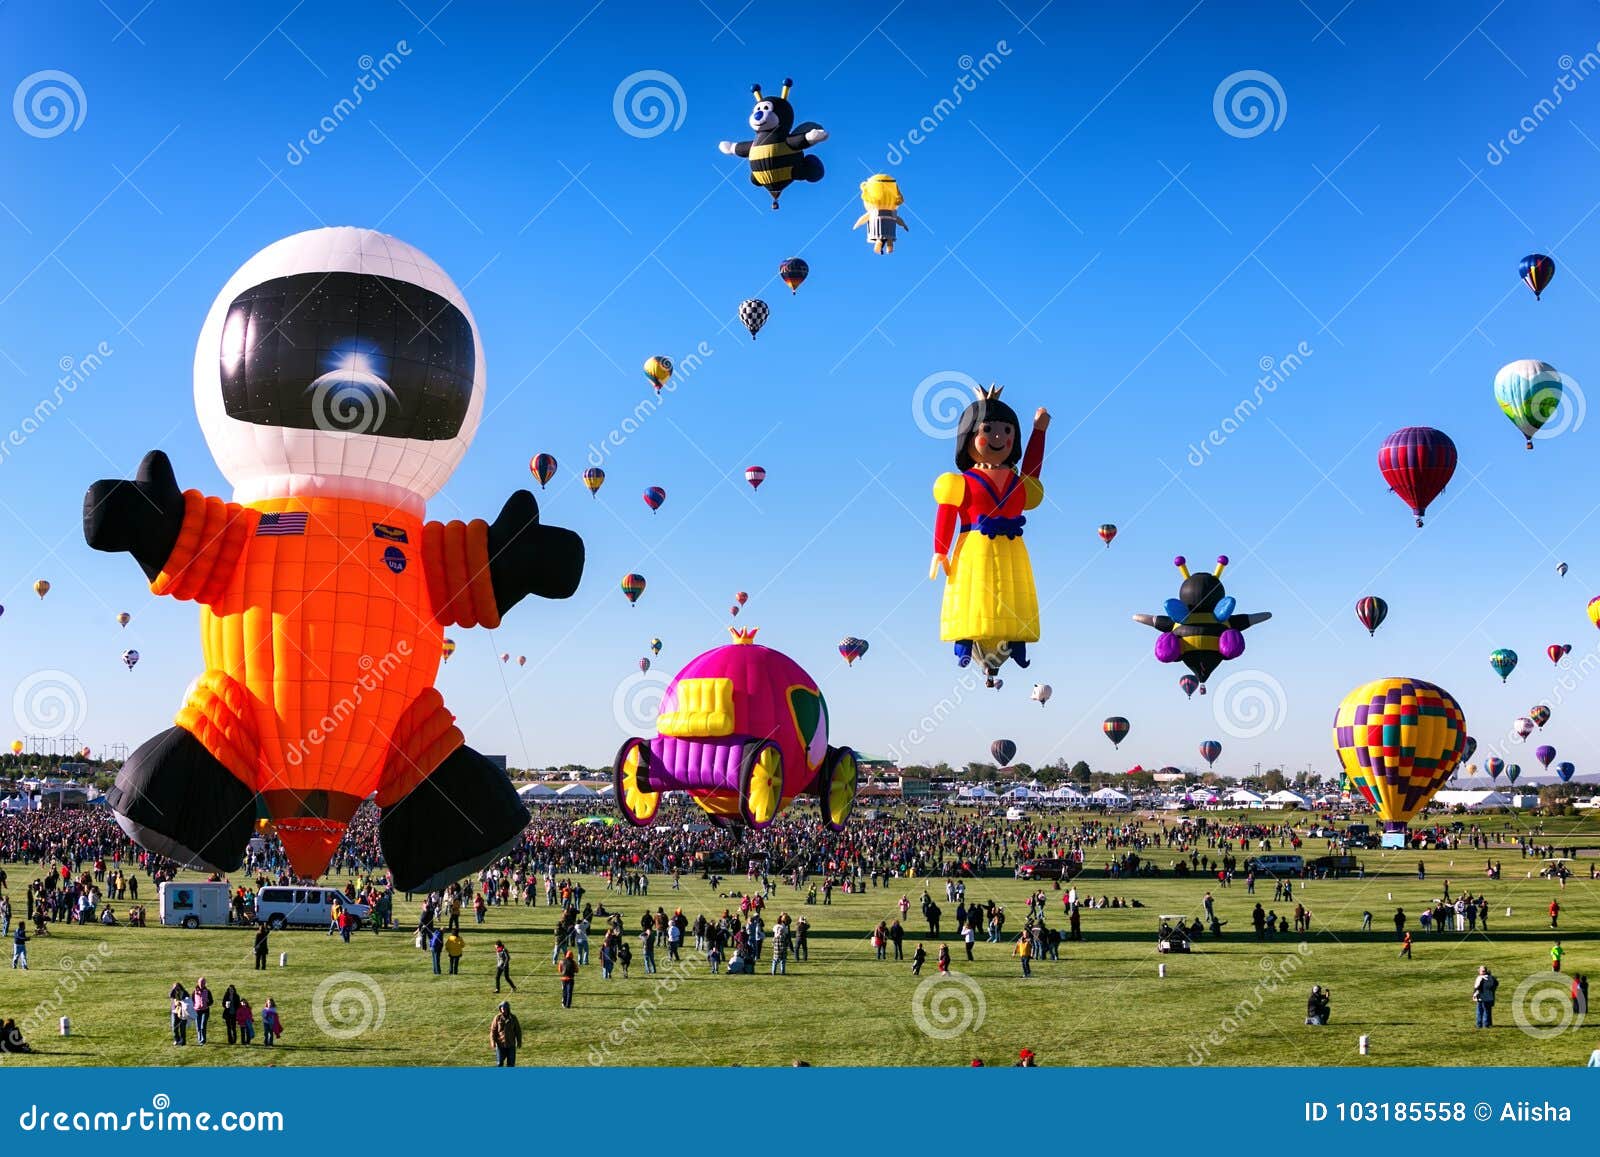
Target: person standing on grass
1555,912
502,965
202,1009
230,1013
802,949
568,971
261,945
505,1034
454,946
1405,945
271,1023
969,935
1556,953
180,1015
19,946
1484,988
918,959
436,949
1024,951
1400,924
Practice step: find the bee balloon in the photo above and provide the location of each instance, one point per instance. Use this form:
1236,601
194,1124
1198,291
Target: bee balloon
1200,628
778,156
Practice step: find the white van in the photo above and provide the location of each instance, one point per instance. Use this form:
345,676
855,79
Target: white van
302,906
194,905
1014,813
1274,865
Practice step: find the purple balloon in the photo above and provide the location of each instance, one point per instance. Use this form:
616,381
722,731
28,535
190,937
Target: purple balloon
1168,647
1544,754
1230,644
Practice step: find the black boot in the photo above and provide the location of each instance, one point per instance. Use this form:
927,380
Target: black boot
463,816
176,799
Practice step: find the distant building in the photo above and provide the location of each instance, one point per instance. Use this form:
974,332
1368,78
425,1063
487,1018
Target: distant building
915,788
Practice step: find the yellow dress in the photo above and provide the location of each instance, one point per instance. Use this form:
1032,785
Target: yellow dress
989,598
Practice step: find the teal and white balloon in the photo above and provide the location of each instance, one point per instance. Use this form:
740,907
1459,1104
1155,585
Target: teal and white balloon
1529,393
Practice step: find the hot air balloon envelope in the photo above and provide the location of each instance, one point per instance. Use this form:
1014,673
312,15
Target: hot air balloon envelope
594,478
1209,750
1504,661
1116,729
1529,393
658,369
755,475
1536,270
1371,611
1399,740
1544,753
633,586
543,467
1003,751
1041,693
753,315
654,496
1417,462
1107,532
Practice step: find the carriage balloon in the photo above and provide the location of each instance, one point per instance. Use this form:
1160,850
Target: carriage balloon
744,730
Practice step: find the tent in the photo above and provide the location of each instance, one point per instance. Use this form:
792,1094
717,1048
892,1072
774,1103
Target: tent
1472,798
1022,791
1243,797
979,792
536,791
577,791
1286,799
1109,797
1070,796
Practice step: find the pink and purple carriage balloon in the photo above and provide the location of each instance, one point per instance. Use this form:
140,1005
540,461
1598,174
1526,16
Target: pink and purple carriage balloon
744,730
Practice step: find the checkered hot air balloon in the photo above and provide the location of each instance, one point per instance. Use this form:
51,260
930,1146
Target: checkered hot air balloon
1399,740
753,315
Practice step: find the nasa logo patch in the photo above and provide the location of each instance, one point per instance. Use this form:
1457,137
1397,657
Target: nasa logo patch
394,558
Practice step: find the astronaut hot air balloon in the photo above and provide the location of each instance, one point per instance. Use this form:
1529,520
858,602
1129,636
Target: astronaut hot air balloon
1399,740
339,379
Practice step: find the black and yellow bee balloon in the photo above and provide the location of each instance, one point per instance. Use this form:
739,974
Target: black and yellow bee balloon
1200,628
778,156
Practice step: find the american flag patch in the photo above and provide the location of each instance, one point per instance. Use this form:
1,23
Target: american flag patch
289,522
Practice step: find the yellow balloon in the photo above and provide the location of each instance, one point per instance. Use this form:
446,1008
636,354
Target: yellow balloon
16,747
658,369
1399,740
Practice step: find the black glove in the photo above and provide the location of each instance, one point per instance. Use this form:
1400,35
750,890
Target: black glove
529,558
142,517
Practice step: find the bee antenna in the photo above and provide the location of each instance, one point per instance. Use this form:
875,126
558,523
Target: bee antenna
787,82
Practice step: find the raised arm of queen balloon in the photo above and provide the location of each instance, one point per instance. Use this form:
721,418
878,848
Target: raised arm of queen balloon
990,611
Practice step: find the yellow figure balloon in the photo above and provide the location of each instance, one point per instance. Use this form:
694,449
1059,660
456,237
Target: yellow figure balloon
1399,740
881,198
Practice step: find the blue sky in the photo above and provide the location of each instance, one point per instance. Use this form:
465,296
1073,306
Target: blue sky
1082,229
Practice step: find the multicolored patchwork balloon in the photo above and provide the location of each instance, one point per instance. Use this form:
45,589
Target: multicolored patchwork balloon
1399,740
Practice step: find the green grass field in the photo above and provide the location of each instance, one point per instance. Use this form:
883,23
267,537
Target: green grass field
1235,1001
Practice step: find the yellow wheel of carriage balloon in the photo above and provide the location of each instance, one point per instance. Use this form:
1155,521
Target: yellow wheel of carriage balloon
760,783
840,775
638,805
